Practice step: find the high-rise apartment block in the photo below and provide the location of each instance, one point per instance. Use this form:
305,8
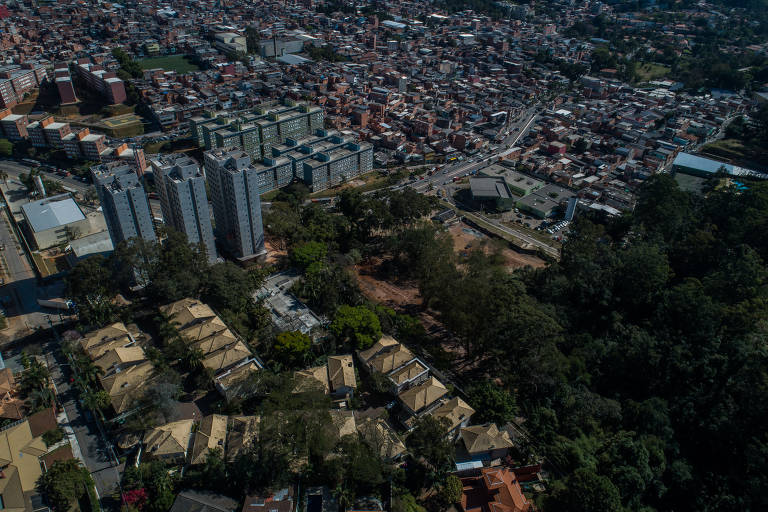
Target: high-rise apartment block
14,126
124,202
234,185
16,80
181,187
102,81
256,132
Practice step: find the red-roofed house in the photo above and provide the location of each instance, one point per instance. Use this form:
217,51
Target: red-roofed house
494,490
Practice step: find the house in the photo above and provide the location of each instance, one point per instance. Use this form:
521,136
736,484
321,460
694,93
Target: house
278,501
235,382
483,442
211,434
315,378
241,432
196,501
336,377
203,330
389,357
341,375
10,404
124,365
20,451
456,412
418,399
494,489
344,422
170,442
381,437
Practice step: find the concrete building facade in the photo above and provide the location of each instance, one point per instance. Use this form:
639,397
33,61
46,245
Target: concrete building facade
234,184
183,199
125,204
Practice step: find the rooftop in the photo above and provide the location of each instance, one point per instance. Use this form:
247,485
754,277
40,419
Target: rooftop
52,212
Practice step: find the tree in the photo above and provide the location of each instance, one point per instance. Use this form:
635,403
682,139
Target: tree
292,346
308,253
451,490
96,400
65,483
585,491
90,285
6,149
358,325
492,403
429,443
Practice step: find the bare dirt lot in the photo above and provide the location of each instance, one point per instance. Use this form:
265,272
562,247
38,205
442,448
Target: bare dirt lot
466,238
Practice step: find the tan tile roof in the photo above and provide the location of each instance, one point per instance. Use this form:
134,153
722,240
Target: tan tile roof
96,343
423,395
205,328
187,311
226,357
169,439
215,341
384,342
120,356
242,431
211,434
483,438
455,411
344,422
122,385
381,437
309,379
408,372
391,359
237,374
341,372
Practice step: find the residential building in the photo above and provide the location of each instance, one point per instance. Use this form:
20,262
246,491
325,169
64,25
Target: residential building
102,81
234,185
278,501
16,80
203,330
14,126
198,501
493,489
125,204
389,357
54,220
124,365
181,187
20,450
456,413
419,399
170,442
211,434
483,442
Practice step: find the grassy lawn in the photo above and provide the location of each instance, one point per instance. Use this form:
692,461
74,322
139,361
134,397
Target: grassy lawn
649,71
179,63
373,180
729,148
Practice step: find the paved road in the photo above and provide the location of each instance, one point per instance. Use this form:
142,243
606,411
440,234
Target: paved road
93,449
14,168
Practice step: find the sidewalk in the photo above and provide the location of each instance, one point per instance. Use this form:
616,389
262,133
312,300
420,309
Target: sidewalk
80,427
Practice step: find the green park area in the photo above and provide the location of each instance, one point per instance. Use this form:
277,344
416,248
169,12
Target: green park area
649,71
178,63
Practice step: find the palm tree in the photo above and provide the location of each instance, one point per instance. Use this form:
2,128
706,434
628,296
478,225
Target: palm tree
42,398
96,400
89,371
194,359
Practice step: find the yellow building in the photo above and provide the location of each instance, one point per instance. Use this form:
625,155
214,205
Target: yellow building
19,459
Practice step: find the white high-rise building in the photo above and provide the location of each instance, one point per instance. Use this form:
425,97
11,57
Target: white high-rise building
234,186
124,202
181,187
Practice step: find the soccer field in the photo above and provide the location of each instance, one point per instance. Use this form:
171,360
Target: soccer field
178,63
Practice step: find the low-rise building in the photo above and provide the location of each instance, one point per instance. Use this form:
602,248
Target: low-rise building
54,220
